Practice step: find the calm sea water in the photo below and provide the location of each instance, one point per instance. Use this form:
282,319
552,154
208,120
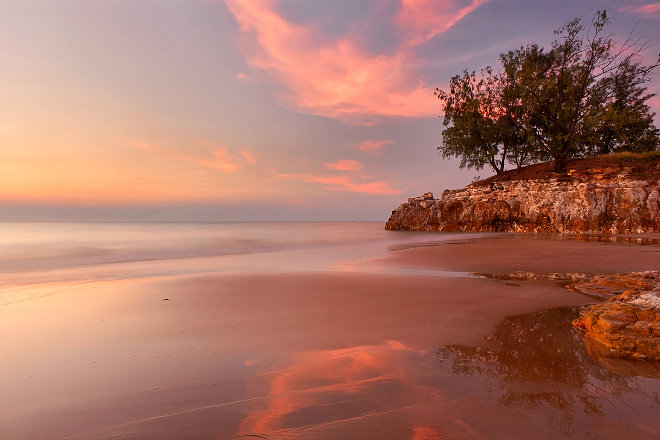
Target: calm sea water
52,252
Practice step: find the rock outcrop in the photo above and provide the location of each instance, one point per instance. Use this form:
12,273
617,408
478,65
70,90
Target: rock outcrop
627,325
606,199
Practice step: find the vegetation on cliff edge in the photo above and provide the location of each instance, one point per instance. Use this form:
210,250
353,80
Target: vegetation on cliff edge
645,166
584,96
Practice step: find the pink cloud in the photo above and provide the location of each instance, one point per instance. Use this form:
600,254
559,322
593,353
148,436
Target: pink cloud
373,146
648,10
421,20
344,165
344,183
248,157
215,156
161,150
219,162
333,77
227,167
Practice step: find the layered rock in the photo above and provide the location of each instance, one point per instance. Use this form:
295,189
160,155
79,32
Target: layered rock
627,325
606,200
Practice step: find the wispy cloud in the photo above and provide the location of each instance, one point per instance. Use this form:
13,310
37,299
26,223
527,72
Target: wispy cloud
344,165
647,10
421,20
249,158
334,76
141,145
344,183
213,155
220,162
373,146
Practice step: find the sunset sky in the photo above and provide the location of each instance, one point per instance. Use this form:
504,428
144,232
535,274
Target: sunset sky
247,109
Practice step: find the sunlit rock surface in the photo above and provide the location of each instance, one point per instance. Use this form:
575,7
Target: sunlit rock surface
606,199
625,326
628,324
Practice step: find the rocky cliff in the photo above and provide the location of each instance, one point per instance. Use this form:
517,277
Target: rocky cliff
593,196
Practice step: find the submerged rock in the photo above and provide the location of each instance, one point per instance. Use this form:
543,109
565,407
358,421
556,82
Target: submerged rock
606,199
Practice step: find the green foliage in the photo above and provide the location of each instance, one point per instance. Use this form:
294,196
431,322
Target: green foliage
584,96
480,123
626,122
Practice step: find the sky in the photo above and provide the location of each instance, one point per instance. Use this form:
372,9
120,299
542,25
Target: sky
248,110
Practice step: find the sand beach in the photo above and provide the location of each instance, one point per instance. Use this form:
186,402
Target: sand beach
406,342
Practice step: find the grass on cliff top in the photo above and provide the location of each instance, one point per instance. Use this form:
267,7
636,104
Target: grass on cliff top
627,157
642,165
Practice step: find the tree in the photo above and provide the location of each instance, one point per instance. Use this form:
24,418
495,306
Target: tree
625,123
479,121
585,95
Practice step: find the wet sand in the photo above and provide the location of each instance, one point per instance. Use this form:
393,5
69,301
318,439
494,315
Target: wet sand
527,253
324,355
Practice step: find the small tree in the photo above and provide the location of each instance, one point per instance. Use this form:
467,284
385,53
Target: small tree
585,95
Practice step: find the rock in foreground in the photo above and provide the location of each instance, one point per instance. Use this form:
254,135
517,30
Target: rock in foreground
600,198
627,325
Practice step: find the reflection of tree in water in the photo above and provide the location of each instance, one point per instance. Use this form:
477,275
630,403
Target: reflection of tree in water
538,360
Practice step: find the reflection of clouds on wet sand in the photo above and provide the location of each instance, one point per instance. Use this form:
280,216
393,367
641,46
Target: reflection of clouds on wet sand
376,388
532,378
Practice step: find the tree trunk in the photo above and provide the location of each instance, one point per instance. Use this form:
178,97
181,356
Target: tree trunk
560,164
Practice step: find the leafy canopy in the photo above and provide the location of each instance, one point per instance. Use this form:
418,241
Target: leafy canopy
583,96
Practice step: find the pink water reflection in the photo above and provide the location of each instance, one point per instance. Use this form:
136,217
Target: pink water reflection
371,388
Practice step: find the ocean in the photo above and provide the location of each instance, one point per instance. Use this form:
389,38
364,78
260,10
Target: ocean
75,252
308,331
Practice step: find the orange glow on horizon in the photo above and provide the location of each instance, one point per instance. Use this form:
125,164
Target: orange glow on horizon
141,171
134,172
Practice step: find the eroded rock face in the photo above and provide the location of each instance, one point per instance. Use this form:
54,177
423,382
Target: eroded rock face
598,201
628,324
